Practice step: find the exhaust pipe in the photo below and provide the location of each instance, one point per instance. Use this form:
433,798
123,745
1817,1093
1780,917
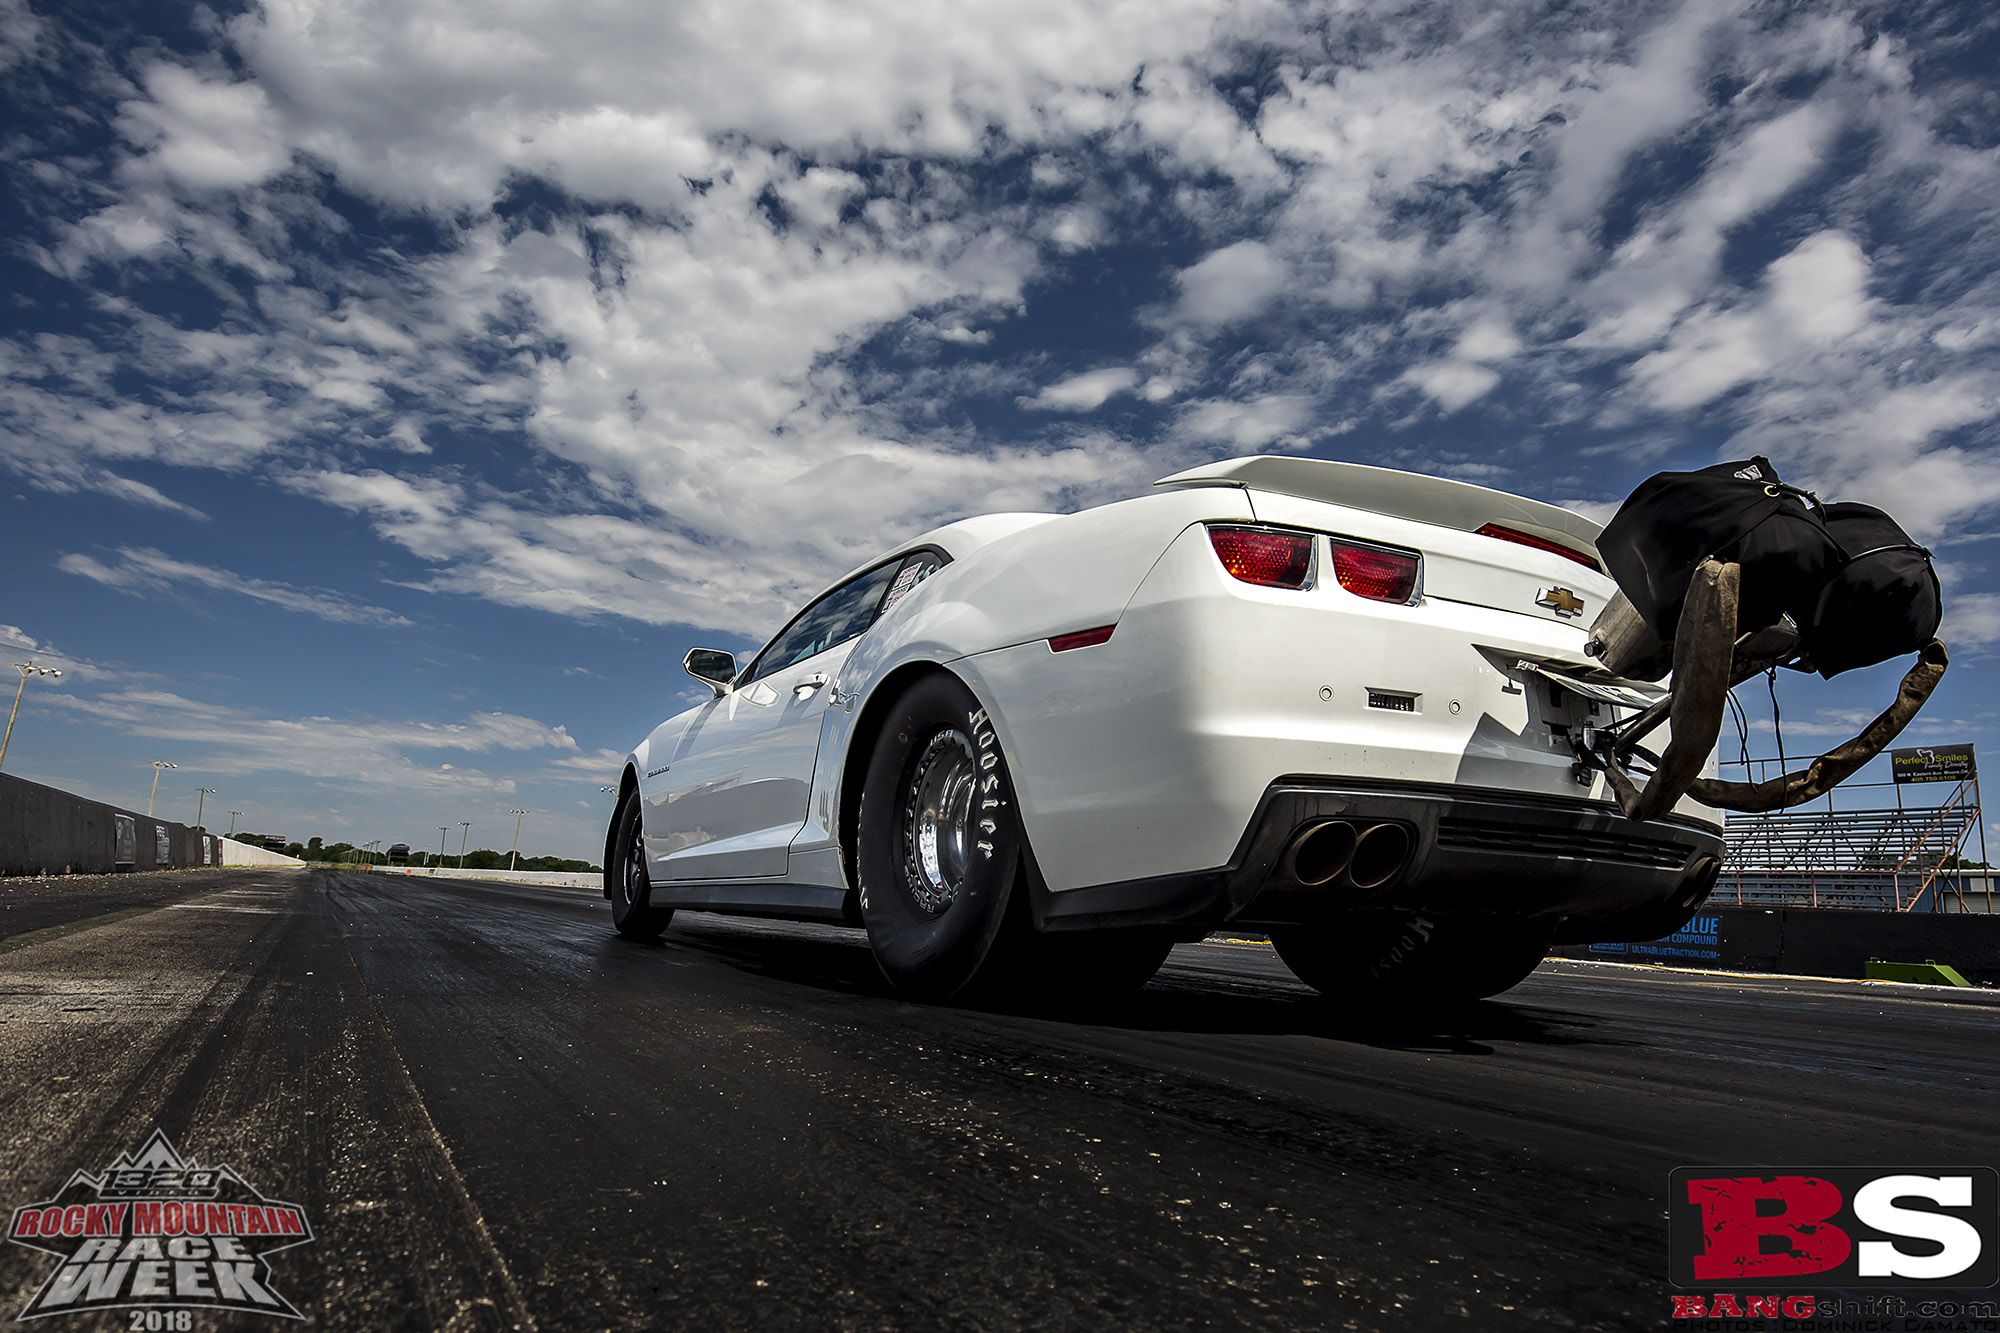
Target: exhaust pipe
1319,854
1379,855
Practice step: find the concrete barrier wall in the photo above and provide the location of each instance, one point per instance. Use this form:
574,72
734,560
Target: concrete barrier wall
43,829
565,879
236,853
1816,942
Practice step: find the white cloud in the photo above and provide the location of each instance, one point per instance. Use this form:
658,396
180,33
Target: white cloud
22,34
1229,284
1487,340
1971,619
1814,296
1271,421
1469,373
1083,393
143,570
1074,229
1819,291
1632,105
1666,265
205,134
240,741
430,106
1453,383
748,197
17,642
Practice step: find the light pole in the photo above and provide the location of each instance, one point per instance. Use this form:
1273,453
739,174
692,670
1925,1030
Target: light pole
27,669
465,824
158,764
517,836
442,830
232,822
199,802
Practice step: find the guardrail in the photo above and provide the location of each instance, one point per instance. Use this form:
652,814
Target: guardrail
566,879
46,831
1805,941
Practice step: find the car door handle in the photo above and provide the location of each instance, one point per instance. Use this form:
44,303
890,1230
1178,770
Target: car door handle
804,689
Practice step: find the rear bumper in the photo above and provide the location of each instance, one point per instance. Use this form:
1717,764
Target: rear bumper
1471,851
1148,754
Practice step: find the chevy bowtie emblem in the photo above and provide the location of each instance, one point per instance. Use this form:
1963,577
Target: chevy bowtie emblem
1561,601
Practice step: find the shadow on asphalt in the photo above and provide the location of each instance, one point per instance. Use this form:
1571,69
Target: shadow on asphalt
1203,1004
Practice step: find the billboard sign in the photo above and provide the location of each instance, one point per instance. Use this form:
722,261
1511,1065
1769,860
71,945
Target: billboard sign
1933,763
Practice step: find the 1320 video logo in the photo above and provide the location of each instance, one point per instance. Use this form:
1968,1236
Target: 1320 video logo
157,1232
1851,1226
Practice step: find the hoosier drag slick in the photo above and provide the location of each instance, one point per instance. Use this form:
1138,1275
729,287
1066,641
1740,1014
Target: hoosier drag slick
1339,704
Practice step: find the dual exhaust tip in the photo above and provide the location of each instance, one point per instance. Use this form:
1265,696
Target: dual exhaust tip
1364,856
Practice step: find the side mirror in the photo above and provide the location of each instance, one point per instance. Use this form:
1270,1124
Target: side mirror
712,667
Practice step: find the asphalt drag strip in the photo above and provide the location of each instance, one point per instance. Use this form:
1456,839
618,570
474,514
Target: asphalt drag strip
496,1113
234,1020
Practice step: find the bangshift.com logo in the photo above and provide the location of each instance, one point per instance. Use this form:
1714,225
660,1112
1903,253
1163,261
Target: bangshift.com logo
1836,1226
159,1233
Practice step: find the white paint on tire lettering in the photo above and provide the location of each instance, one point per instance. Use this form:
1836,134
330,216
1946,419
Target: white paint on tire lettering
989,764
1419,931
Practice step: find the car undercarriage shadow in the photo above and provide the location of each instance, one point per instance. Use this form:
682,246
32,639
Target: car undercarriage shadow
1465,1028
1209,1001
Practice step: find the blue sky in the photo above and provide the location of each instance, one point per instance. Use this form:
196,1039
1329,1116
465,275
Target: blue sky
393,392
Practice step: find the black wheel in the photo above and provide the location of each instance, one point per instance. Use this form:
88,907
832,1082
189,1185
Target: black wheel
632,910
1411,960
939,841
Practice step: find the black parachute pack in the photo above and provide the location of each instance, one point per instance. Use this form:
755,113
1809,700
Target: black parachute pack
1727,572
1737,513
1882,602
1853,584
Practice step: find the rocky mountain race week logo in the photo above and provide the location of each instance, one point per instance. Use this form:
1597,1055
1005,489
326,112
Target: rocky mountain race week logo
157,1232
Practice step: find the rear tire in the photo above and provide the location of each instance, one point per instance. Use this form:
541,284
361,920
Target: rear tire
632,910
1411,960
938,843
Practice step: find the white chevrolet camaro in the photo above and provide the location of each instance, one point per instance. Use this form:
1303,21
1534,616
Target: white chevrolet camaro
1336,704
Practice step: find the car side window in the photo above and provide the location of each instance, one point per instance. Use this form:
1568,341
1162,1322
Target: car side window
832,620
912,572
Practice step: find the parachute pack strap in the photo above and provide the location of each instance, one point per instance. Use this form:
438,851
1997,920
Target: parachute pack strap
1805,497
1704,651
1923,551
1838,764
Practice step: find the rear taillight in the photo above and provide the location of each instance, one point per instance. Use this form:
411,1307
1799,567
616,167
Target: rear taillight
1507,534
1083,638
1266,558
1368,571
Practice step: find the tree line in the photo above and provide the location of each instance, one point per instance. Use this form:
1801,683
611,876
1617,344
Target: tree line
481,858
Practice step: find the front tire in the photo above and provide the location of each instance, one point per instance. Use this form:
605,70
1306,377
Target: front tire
632,910
938,845
1391,963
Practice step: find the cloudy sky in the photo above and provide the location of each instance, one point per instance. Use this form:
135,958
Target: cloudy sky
390,393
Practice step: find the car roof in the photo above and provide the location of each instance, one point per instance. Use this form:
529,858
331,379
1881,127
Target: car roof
956,540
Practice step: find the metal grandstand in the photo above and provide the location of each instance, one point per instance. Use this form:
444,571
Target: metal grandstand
1921,853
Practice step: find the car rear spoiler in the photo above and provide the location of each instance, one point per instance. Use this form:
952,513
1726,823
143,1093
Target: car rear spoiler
1436,500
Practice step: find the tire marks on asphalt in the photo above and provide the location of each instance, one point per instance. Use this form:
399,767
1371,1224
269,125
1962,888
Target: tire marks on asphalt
241,1027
